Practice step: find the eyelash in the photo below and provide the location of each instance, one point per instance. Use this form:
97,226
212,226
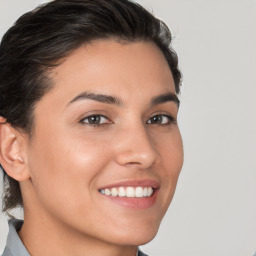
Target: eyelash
95,125
171,120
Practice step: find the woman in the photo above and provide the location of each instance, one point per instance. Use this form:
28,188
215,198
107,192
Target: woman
89,141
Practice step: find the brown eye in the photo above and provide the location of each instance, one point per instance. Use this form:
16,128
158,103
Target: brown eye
95,120
161,120
156,119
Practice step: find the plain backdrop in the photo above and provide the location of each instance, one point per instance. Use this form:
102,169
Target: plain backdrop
214,210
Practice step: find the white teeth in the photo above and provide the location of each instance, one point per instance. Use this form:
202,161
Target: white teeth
139,192
121,192
128,192
114,192
145,191
150,191
107,192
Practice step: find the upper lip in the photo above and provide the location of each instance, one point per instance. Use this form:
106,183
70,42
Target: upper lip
134,183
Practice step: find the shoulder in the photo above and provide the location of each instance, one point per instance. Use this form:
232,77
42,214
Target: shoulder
14,246
7,252
140,253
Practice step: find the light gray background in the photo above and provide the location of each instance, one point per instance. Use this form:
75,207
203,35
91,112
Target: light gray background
214,209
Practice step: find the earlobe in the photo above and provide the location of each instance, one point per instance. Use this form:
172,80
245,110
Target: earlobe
12,152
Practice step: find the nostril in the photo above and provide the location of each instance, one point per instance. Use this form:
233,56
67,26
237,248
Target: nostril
134,159
136,149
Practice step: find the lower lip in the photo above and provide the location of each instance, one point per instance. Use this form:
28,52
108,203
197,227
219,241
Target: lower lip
134,202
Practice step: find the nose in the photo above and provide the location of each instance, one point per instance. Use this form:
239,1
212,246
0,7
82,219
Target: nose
134,147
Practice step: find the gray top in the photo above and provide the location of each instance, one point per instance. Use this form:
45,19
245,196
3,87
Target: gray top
14,246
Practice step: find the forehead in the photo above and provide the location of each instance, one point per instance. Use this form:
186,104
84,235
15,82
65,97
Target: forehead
111,67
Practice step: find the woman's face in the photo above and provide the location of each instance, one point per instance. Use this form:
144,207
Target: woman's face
105,139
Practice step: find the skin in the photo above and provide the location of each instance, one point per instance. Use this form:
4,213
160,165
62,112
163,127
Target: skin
66,161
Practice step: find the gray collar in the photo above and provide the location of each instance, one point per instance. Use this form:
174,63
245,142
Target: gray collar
14,246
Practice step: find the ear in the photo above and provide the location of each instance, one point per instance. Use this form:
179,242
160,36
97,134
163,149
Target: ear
13,151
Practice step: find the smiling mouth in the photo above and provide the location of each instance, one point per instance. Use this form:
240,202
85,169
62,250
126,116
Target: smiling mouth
130,192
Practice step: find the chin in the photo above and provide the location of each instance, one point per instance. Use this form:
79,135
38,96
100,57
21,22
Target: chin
137,235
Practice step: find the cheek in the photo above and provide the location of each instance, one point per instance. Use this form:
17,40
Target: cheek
171,153
66,166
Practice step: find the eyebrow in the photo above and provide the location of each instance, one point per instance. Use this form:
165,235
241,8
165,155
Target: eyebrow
108,99
97,97
165,98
